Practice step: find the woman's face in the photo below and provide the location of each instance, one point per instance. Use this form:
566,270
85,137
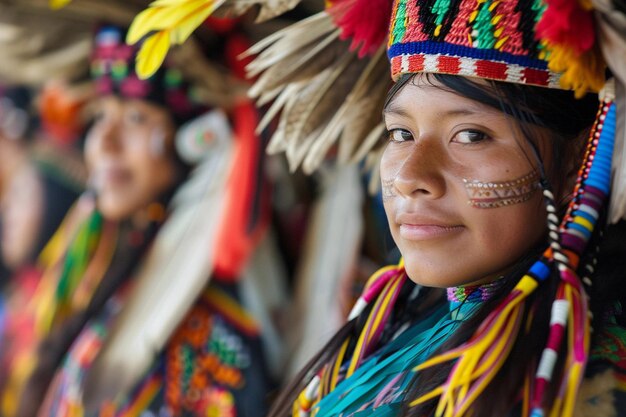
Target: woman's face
460,186
129,154
22,214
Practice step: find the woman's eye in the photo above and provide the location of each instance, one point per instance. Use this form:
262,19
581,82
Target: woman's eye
98,116
136,117
469,136
399,135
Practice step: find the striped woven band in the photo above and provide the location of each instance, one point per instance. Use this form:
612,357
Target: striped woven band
488,39
411,63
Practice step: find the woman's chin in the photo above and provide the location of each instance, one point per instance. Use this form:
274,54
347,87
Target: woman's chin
442,274
115,210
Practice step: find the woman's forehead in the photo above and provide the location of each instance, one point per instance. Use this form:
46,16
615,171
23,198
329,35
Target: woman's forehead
421,95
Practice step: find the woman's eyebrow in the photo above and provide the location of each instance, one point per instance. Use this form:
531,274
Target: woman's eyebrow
465,111
395,110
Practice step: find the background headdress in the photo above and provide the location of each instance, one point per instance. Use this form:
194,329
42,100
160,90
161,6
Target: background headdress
308,69
38,43
113,71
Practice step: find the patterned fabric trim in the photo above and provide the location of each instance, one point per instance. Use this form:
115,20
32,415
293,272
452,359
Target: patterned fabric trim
223,304
471,67
142,398
610,348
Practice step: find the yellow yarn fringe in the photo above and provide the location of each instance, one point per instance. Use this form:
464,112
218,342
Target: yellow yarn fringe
480,357
582,73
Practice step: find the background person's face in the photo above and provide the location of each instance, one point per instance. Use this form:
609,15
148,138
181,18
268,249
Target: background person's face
438,139
129,155
22,214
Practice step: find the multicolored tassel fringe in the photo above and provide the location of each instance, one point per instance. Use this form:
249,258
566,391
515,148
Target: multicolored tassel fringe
567,30
383,287
570,306
364,22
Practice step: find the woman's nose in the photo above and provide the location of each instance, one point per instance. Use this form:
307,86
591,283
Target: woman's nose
107,137
421,171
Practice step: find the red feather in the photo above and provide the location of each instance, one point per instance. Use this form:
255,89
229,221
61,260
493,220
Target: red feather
366,22
566,23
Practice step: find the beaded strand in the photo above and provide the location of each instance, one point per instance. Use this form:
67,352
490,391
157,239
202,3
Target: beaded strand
592,186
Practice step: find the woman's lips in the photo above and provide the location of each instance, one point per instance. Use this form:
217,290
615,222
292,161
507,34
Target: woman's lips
424,225
427,231
111,177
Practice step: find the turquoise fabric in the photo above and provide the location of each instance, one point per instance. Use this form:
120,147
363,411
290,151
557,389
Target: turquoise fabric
377,388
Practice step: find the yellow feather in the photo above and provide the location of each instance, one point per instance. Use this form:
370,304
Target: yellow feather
58,4
152,54
191,22
163,17
143,23
178,15
174,21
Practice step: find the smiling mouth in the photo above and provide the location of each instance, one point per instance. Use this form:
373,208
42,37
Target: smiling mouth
427,231
108,178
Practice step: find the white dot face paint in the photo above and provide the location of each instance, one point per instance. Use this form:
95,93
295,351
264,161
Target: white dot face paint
487,195
387,189
157,142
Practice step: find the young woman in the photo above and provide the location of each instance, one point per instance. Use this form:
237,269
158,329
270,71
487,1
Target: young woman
211,360
133,171
507,299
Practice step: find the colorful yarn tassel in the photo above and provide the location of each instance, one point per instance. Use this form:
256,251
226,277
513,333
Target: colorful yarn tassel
78,257
567,29
570,306
383,288
59,282
363,21
479,360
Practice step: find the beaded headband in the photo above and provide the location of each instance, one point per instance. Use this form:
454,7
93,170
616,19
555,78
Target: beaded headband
521,41
113,69
488,39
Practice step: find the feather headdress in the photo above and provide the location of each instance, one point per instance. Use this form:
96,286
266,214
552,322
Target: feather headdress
305,70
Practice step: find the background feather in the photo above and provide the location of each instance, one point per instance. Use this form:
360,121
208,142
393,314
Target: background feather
611,22
267,9
35,48
327,98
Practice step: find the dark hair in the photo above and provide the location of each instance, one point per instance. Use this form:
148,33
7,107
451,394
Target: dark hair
58,197
131,244
569,120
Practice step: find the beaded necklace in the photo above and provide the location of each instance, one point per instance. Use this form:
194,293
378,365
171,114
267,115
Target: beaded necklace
474,293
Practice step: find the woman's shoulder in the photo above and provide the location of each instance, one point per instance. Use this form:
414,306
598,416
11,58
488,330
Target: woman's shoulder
602,395
603,392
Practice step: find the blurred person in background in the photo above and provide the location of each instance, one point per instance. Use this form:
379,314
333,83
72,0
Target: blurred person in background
47,181
130,323
16,119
